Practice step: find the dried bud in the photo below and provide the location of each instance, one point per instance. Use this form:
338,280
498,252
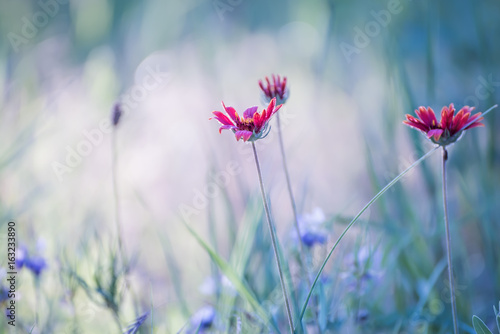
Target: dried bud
117,114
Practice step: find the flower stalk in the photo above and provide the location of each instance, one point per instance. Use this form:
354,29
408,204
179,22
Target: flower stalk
273,239
116,116
114,165
448,246
448,130
290,192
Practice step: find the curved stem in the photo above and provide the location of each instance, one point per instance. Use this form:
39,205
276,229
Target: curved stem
448,246
380,193
273,239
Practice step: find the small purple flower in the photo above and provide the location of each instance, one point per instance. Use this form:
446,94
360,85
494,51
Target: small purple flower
362,316
311,228
4,294
362,269
203,318
309,238
134,327
36,264
21,254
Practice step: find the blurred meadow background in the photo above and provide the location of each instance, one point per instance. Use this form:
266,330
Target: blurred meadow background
354,69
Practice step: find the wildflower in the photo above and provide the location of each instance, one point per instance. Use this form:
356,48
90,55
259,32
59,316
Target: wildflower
116,114
4,292
134,327
203,318
21,254
311,228
362,316
362,269
251,126
35,263
275,89
451,126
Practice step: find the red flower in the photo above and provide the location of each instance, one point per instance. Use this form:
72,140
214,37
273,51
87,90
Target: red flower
277,89
451,126
252,125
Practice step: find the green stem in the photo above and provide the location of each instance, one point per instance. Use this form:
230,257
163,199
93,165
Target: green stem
380,193
448,246
290,191
273,239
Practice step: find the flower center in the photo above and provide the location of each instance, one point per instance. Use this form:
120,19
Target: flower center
247,124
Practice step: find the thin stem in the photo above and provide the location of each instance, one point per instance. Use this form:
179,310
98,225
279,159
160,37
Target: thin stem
273,239
115,195
116,318
302,260
152,308
448,246
377,196
121,247
37,301
290,191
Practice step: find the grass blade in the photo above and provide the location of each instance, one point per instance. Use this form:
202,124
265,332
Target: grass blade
229,272
479,326
380,193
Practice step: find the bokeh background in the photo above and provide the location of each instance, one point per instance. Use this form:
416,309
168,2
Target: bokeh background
354,68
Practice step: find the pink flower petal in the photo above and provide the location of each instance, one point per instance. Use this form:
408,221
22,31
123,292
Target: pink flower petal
243,134
436,133
447,116
425,115
249,112
416,123
474,125
222,118
457,122
257,120
467,109
270,108
226,127
276,110
232,113
476,118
